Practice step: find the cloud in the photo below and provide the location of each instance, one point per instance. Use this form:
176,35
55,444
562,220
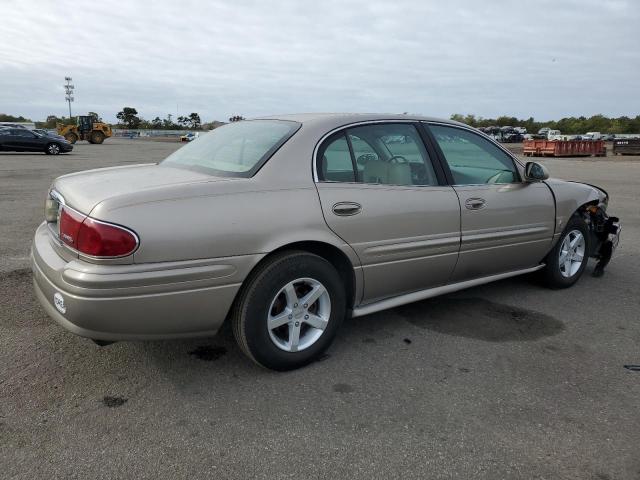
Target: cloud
538,58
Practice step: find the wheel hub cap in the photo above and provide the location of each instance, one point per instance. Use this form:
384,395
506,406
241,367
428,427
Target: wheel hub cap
299,314
572,253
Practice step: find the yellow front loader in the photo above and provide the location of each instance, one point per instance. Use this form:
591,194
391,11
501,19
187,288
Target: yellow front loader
86,129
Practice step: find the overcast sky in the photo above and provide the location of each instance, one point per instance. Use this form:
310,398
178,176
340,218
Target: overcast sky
546,59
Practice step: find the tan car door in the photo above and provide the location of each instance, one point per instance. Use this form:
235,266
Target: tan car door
381,194
506,224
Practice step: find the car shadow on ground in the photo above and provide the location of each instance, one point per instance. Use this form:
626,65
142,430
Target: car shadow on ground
470,314
28,154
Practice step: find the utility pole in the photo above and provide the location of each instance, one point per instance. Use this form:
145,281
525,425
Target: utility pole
68,90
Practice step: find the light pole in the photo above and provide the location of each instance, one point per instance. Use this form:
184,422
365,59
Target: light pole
68,90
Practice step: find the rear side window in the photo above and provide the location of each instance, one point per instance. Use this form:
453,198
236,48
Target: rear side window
472,159
20,132
387,154
336,161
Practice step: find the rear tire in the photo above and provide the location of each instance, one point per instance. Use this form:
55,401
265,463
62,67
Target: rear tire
289,310
71,137
566,262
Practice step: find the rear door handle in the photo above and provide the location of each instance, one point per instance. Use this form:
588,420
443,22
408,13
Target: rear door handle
346,209
475,203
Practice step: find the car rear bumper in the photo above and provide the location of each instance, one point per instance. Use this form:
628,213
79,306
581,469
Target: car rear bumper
136,302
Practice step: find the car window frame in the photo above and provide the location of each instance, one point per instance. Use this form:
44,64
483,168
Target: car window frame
445,165
330,136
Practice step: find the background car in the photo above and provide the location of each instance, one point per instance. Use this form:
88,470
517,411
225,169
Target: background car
188,137
23,140
286,225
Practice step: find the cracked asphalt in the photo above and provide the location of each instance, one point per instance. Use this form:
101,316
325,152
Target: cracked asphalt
507,380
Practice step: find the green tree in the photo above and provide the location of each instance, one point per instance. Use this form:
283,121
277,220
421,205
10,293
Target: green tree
129,117
183,121
10,118
236,118
568,125
194,121
168,123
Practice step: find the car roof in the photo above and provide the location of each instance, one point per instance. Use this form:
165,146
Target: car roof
330,121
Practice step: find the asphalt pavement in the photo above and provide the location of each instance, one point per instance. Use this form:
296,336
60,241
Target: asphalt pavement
508,380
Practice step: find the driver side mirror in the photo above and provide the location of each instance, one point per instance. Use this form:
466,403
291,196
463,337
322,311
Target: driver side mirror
534,172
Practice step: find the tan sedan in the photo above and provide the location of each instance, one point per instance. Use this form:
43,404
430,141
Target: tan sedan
286,225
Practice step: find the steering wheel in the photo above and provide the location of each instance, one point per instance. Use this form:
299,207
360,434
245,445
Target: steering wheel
366,157
398,159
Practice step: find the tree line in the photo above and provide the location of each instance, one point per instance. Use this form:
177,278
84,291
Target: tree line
568,125
128,118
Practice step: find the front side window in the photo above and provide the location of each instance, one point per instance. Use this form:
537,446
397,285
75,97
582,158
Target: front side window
388,154
472,159
235,150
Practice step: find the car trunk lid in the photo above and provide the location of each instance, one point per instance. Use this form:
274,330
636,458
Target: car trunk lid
84,190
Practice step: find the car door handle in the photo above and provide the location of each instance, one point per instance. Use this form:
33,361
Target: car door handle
345,209
475,203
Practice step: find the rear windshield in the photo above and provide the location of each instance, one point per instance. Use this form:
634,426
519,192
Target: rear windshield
238,149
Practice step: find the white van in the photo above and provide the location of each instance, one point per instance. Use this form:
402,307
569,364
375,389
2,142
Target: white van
592,136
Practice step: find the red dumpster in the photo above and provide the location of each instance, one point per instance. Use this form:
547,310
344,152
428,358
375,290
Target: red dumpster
564,148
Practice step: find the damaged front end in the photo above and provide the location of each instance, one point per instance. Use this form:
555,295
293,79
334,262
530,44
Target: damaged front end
604,233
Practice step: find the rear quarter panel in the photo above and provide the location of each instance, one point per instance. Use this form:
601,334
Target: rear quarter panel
223,223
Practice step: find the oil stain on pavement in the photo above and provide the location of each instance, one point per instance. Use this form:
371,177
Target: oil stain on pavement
481,319
208,353
342,388
113,402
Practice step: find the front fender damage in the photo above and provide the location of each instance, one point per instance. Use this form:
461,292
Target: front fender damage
604,231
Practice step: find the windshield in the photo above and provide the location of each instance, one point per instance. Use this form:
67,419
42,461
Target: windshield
238,149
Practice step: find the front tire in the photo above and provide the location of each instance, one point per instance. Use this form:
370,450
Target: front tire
566,262
52,149
71,138
289,311
97,137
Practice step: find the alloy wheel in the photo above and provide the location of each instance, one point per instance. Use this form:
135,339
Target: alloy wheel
572,252
299,314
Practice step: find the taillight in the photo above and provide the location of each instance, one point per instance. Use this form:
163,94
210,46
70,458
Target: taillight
94,237
69,223
101,239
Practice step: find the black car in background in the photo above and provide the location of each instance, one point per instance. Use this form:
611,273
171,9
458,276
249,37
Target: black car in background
23,140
